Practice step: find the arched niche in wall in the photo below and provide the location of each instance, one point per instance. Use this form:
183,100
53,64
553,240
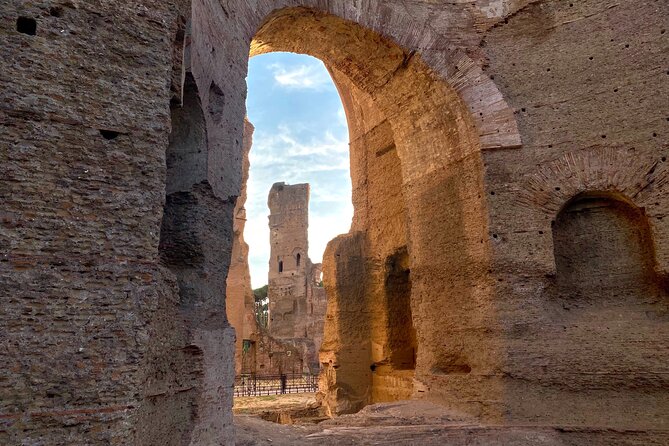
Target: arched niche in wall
605,333
603,245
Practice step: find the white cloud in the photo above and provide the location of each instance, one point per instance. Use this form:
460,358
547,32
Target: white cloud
283,147
302,77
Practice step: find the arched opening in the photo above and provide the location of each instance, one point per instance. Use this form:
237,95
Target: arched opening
412,140
299,169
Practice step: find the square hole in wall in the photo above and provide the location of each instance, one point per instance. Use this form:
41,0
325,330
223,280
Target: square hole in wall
26,25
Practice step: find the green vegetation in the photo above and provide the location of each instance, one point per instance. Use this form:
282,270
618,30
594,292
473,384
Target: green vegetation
261,305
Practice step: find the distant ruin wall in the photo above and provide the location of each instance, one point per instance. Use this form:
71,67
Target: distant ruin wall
239,299
296,300
256,350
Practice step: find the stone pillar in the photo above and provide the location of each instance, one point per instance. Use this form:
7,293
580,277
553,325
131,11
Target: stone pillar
239,299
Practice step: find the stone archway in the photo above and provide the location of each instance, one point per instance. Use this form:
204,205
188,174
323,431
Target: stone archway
395,104
430,117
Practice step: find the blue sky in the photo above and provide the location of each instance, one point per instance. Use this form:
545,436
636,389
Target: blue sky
301,137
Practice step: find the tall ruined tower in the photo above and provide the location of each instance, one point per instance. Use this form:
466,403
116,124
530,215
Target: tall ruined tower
297,302
288,223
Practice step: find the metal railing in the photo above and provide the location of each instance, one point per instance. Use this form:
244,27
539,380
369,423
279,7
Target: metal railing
258,385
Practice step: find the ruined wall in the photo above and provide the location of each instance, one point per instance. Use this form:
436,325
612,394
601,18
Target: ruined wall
572,100
289,245
317,303
577,215
256,350
296,304
379,214
115,336
98,336
239,294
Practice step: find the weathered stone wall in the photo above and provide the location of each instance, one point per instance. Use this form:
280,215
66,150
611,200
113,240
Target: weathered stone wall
501,113
287,290
114,339
379,212
239,300
584,321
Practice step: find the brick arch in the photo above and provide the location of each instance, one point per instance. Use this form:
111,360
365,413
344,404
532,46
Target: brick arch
599,170
443,112
493,117
439,147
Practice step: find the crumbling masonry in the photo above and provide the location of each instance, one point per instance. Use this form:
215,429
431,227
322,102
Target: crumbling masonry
292,345
510,187
296,300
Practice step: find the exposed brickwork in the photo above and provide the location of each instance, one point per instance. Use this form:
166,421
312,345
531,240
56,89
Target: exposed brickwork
501,112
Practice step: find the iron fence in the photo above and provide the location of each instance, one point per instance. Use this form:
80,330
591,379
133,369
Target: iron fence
258,385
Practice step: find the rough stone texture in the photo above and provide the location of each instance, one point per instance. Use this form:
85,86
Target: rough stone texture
420,422
239,300
297,303
505,115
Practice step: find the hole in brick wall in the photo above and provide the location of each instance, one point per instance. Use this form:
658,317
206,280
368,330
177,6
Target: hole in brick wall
26,25
401,333
590,58
56,11
627,45
109,134
654,135
280,266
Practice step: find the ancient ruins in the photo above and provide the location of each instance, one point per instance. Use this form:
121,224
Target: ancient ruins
296,299
257,349
504,281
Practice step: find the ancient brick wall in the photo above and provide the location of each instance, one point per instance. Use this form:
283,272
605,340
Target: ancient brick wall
577,215
239,298
112,339
505,115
